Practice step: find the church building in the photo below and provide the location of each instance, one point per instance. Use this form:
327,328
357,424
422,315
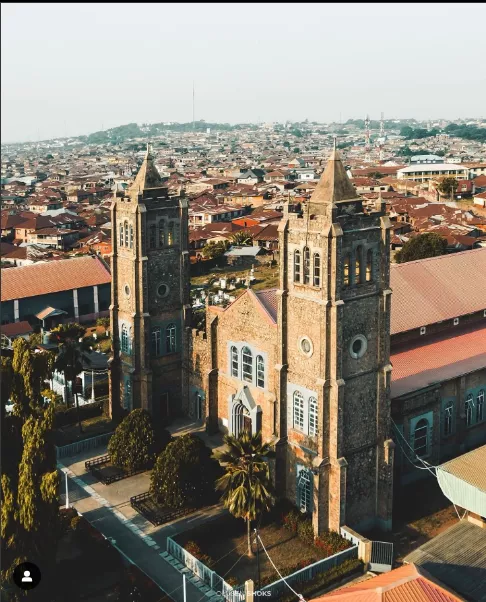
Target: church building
307,364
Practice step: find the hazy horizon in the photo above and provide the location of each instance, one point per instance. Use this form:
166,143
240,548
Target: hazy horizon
72,69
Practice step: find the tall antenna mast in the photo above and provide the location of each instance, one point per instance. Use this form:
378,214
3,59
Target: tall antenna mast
193,106
382,135
367,139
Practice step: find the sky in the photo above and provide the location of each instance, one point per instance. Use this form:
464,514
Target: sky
71,69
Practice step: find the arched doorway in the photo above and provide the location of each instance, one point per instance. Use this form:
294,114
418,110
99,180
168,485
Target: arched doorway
241,420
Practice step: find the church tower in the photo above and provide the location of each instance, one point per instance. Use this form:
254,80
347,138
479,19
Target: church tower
334,364
150,296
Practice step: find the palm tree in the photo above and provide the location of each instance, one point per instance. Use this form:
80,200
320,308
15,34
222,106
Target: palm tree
242,238
246,486
71,357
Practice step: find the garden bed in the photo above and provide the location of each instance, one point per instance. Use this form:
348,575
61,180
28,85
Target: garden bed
106,472
145,504
223,544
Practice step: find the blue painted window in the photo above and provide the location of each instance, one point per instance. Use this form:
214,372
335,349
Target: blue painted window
468,409
448,418
421,438
125,341
304,489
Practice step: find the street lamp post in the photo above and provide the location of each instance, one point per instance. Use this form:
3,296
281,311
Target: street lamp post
92,387
67,490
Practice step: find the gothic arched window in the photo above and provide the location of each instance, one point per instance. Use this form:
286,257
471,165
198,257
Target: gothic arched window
260,365
247,364
170,234
234,362
448,418
297,266
346,270
298,411
124,339
162,234
312,416
131,237
152,236
170,338
480,406
421,438
126,234
468,408
121,235
369,265
306,265
357,265
317,269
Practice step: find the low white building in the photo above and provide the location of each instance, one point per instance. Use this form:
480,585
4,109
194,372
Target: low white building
423,172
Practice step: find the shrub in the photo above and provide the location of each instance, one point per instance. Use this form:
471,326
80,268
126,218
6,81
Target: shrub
305,531
184,474
134,444
193,548
290,520
64,416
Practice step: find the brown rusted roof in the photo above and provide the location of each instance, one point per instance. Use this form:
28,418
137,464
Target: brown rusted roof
53,277
439,288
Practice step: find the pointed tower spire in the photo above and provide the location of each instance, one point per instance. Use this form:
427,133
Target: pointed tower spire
334,185
148,175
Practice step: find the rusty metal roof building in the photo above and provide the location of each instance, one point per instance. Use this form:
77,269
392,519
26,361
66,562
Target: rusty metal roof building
457,557
427,291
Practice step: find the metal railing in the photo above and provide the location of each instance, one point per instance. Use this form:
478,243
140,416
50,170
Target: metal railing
94,467
208,576
80,446
157,515
278,588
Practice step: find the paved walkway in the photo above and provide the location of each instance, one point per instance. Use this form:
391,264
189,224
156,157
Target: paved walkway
108,508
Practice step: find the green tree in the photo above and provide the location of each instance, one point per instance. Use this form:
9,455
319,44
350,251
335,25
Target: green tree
71,356
185,473
135,443
30,527
215,249
29,372
242,238
286,144
246,485
105,322
448,186
422,246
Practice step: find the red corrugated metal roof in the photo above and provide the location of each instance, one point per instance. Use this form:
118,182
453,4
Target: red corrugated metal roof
437,359
440,288
53,277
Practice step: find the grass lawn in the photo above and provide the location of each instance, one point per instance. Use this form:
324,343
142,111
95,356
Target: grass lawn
92,427
227,545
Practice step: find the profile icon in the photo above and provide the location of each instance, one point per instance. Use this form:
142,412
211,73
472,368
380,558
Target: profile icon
26,575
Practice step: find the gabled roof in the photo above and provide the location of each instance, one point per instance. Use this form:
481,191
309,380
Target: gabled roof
408,583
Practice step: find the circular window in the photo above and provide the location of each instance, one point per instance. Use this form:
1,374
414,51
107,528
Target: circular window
358,346
127,290
305,346
162,290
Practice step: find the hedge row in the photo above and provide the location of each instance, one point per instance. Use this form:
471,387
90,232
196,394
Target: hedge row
65,416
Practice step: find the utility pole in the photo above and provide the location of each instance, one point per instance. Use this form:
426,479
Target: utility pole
258,557
193,106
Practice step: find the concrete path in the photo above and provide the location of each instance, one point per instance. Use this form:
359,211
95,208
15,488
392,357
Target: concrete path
108,508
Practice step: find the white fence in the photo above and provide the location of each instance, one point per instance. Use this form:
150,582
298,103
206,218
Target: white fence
81,446
278,588
209,577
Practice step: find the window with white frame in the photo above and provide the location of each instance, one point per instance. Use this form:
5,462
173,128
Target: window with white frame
312,416
317,269
304,490
448,418
155,341
126,234
234,362
247,364
260,365
306,265
131,237
125,347
121,235
468,409
298,411
480,406
297,266
170,338
421,438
